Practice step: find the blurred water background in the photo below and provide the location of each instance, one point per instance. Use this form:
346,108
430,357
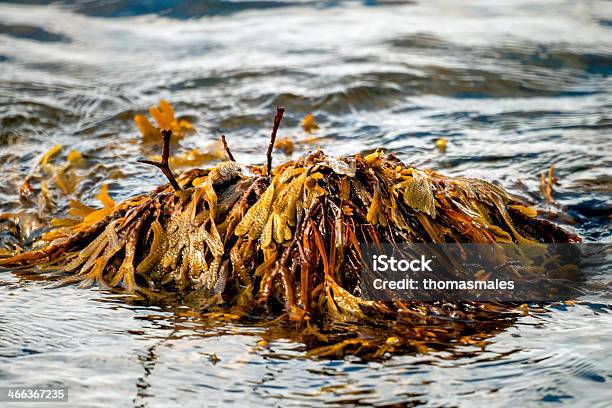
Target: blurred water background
513,86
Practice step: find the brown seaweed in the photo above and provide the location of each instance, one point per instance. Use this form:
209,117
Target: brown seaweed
286,242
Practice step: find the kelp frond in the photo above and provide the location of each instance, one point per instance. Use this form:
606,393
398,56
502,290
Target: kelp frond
163,115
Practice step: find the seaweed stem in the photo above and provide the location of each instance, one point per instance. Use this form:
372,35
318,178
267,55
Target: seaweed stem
163,164
277,119
227,150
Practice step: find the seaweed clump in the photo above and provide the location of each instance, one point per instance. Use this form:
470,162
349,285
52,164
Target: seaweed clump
285,239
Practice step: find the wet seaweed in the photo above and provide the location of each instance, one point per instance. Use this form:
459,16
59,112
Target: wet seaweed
285,242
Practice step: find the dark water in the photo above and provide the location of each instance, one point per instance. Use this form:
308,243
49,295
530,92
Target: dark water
513,86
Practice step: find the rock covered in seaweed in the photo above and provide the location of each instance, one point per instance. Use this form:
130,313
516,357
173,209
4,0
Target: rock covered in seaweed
290,240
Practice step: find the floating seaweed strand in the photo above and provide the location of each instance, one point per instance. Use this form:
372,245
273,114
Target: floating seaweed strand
286,240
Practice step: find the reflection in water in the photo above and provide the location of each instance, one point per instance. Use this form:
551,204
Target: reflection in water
512,88
278,341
